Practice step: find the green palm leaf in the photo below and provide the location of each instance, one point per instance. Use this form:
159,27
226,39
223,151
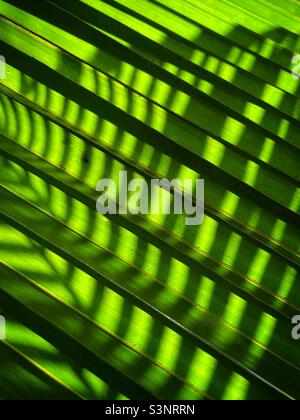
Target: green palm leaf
145,307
